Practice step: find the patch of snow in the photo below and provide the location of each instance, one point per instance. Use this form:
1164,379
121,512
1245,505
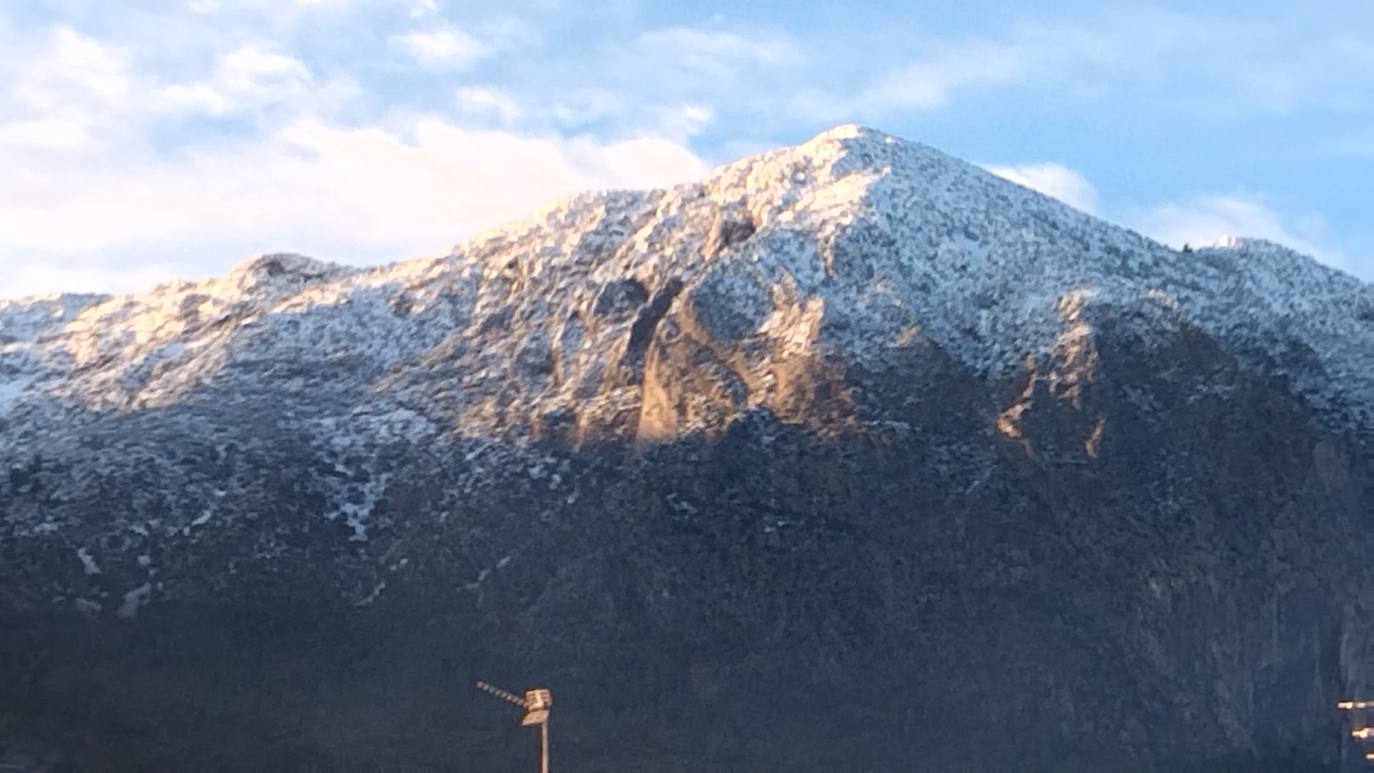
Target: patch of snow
856,244
476,584
851,229
474,453
11,392
135,600
355,514
87,606
371,597
87,562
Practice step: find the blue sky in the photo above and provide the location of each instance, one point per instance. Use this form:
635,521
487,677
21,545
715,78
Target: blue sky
150,139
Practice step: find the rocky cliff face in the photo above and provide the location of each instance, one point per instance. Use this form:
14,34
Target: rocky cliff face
852,456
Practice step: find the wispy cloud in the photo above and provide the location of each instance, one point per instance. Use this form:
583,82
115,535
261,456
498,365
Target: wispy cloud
447,46
421,8
487,103
106,206
1206,219
47,275
74,67
927,82
359,195
676,80
268,121
1202,65
715,50
1051,179
60,91
251,76
1198,220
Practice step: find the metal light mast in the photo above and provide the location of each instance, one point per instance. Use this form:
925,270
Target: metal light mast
536,703
1362,730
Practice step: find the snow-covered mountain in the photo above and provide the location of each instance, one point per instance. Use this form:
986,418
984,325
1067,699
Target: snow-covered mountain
839,414
855,229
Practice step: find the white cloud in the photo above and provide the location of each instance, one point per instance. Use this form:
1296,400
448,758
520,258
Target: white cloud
926,83
1197,221
444,46
1051,179
694,117
351,194
1202,65
251,76
69,130
487,103
73,71
502,33
714,50
38,276
60,92
88,201
88,180
680,122
1206,219
586,105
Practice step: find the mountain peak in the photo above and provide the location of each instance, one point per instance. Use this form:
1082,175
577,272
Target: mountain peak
835,245
853,134
282,271
845,403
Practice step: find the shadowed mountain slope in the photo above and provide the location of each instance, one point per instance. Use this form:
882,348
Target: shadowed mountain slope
851,456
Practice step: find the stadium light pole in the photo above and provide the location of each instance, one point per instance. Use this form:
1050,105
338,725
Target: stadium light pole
1361,732
536,703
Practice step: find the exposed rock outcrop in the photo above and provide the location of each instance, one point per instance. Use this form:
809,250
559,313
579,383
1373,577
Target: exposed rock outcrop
851,456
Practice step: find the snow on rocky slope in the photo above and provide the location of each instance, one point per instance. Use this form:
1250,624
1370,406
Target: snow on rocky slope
847,247
838,243
845,244
816,401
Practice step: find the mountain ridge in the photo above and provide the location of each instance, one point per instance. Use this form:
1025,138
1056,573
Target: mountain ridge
990,299
838,415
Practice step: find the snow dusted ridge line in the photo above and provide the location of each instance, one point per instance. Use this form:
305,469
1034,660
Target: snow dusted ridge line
855,220
843,246
856,399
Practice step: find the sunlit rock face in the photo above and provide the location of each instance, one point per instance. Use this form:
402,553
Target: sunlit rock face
851,456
